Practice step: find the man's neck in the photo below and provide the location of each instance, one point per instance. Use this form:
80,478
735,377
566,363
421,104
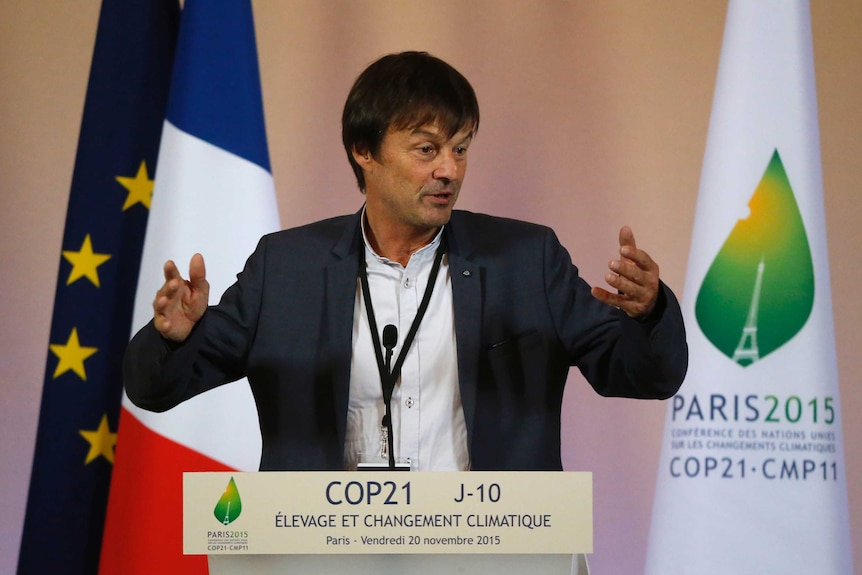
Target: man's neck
396,244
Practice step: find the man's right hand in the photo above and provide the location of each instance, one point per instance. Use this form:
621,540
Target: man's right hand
179,304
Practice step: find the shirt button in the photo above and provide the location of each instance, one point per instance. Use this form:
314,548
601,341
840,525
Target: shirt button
407,283
409,403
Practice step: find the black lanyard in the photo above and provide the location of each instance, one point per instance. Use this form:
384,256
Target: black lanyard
388,377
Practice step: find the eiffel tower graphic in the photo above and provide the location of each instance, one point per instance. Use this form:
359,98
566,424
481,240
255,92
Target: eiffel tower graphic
746,351
227,514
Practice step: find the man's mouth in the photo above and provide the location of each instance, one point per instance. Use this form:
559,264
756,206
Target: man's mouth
441,196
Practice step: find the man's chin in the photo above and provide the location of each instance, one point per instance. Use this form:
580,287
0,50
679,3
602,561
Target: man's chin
439,218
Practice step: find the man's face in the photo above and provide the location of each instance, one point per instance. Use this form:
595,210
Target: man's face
413,186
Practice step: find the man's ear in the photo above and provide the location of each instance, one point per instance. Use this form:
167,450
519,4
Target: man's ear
362,157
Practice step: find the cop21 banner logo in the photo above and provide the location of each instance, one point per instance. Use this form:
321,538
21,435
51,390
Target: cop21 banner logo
226,511
759,290
229,506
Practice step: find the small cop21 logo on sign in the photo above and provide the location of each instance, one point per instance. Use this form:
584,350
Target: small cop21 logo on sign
226,511
229,506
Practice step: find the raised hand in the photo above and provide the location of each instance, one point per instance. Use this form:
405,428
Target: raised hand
180,303
635,278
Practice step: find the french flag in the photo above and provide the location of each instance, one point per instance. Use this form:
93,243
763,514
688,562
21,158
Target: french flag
213,194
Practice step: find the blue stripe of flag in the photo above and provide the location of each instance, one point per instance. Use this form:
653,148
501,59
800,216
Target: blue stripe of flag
216,93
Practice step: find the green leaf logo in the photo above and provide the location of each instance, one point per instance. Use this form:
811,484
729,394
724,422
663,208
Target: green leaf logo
759,291
229,506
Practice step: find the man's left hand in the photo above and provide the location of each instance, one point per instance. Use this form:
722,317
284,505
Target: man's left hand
634,276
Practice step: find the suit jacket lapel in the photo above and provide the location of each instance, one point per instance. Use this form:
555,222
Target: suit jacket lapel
467,276
340,281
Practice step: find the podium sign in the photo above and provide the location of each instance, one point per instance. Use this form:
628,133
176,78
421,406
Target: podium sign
308,513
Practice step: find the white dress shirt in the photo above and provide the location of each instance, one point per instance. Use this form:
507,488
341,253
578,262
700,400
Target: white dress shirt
427,418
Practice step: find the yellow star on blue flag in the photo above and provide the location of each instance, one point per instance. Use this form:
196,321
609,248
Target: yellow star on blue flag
72,356
140,188
85,262
101,440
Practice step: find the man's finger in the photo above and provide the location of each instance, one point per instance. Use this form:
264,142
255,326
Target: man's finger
627,238
171,271
607,297
197,270
642,260
629,250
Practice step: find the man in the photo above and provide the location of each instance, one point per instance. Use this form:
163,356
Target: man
409,331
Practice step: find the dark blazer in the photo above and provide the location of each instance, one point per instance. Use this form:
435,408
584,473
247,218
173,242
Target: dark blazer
522,318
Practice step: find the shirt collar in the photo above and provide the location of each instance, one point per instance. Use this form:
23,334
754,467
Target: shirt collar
425,252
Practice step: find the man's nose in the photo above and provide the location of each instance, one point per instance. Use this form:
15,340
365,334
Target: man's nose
447,166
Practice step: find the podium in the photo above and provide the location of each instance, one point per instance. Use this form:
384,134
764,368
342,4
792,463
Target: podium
471,523
398,564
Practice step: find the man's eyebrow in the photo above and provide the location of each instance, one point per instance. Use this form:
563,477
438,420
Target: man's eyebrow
426,132
437,134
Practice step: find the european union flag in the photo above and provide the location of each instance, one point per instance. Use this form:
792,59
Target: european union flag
105,225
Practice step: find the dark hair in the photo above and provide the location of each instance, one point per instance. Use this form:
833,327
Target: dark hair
405,91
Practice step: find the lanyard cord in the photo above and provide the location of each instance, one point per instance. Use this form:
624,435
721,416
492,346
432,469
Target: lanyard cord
388,377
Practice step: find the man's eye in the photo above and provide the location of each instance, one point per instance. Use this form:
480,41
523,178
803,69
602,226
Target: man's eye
426,149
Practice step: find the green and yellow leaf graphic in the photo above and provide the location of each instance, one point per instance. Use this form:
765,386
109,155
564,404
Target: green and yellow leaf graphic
759,291
229,506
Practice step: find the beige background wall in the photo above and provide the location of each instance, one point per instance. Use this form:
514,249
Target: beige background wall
594,115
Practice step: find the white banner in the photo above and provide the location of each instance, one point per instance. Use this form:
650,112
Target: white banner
752,477
381,512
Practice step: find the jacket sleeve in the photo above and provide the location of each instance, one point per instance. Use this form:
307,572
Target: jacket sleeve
618,355
158,374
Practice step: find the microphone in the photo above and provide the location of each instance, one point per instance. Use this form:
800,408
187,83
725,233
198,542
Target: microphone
390,338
